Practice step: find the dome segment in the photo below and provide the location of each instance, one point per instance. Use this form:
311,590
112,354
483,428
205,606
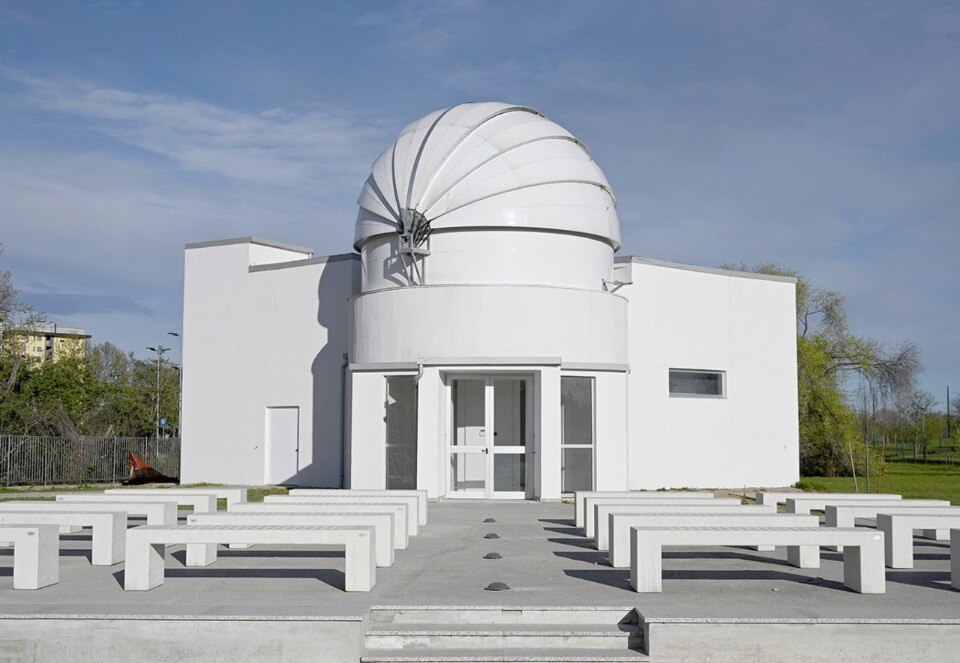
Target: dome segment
487,165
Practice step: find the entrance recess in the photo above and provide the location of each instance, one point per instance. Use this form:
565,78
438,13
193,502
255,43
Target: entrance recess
490,432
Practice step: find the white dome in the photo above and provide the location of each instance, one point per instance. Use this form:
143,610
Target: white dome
488,165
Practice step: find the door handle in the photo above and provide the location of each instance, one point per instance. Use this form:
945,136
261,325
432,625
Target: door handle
486,451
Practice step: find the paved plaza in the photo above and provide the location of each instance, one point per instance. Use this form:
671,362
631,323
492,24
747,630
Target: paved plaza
544,560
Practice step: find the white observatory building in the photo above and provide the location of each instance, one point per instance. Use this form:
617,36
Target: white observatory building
484,340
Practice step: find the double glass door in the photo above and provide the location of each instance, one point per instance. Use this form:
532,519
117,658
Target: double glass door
490,431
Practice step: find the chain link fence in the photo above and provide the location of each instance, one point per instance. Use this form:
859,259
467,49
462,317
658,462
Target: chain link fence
42,460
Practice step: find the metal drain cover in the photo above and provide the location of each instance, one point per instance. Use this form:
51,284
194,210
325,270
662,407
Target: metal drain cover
497,587
491,535
493,556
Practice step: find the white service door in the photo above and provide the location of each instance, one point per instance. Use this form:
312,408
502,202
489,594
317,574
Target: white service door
282,442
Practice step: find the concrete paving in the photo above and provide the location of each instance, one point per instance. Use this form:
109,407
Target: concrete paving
545,561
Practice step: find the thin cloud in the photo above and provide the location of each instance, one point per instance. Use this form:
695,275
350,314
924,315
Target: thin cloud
71,303
275,145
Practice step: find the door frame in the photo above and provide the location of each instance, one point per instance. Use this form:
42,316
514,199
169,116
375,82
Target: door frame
490,449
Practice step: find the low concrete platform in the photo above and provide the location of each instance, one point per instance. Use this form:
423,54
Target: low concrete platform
262,604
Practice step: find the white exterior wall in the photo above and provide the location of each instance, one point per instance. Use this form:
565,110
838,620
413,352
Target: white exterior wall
410,324
262,338
493,257
687,318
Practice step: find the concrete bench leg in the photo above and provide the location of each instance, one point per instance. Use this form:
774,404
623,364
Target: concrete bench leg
239,546
863,568
201,554
144,566
36,560
762,548
955,558
109,544
646,567
70,529
936,534
898,544
804,557
360,567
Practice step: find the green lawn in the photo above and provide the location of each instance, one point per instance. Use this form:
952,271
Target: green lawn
912,480
24,492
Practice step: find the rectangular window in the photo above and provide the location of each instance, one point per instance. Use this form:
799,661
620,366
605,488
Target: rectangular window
576,404
686,382
401,432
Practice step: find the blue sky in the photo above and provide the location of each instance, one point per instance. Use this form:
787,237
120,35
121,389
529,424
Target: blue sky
823,136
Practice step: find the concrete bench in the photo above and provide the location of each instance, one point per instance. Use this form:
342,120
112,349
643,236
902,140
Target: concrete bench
601,515
382,524
36,554
768,497
590,523
156,513
232,494
862,555
146,547
955,558
421,496
411,502
399,513
579,511
620,525
898,530
806,504
108,529
200,503
845,514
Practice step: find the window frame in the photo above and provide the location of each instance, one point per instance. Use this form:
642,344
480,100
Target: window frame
708,371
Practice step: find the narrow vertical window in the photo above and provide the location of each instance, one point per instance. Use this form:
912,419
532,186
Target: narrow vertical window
577,406
401,432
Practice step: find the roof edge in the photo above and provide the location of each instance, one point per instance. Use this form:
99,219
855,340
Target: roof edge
250,239
340,257
718,271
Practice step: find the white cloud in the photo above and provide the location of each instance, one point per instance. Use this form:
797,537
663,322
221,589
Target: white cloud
317,148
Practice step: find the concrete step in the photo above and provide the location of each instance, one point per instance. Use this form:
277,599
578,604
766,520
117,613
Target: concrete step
502,615
562,637
508,656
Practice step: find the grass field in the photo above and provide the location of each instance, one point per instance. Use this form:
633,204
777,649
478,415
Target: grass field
912,480
48,493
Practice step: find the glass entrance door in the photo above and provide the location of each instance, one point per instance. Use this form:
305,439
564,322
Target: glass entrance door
489,437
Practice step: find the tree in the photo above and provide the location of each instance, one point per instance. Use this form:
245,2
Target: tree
14,315
828,354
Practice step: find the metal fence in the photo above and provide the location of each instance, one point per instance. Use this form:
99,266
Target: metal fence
42,460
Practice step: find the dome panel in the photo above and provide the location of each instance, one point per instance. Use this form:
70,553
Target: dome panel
488,165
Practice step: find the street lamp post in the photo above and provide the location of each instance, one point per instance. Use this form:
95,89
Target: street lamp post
160,350
179,388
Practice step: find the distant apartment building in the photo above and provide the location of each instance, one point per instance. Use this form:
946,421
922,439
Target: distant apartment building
49,341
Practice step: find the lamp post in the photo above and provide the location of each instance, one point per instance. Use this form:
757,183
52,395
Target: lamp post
179,388
160,350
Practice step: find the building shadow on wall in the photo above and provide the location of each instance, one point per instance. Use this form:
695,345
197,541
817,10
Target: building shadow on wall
337,284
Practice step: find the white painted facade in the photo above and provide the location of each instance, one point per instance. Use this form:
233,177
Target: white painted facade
444,354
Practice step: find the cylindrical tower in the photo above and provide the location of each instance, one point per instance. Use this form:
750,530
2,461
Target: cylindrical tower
485,229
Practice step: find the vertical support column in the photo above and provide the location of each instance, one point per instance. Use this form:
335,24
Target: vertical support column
548,444
431,433
610,444
368,432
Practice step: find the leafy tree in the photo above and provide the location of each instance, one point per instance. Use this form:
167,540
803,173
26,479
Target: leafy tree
105,392
14,314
